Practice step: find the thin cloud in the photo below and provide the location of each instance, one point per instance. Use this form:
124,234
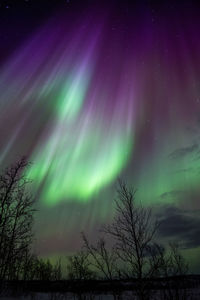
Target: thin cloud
177,224
182,152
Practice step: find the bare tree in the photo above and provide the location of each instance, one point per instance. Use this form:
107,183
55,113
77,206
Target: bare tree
172,267
44,269
177,263
78,266
133,231
102,259
168,261
29,266
35,268
57,271
16,219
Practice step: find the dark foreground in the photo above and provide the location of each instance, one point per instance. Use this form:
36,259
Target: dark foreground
170,288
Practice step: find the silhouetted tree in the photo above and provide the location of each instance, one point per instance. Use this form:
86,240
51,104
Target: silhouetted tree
133,231
16,219
177,263
35,268
78,266
44,269
170,263
169,260
29,266
57,271
102,259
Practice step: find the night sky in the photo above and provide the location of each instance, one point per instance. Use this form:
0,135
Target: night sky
91,91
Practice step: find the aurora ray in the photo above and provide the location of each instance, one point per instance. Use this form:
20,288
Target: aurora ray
84,137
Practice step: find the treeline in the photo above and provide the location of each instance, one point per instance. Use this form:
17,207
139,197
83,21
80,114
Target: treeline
133,251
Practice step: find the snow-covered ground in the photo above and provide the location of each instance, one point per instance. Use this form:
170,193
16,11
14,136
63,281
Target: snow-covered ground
193,294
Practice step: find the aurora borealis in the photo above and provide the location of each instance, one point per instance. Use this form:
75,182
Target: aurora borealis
80,145
100,91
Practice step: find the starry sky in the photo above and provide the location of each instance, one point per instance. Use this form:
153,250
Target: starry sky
91,91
